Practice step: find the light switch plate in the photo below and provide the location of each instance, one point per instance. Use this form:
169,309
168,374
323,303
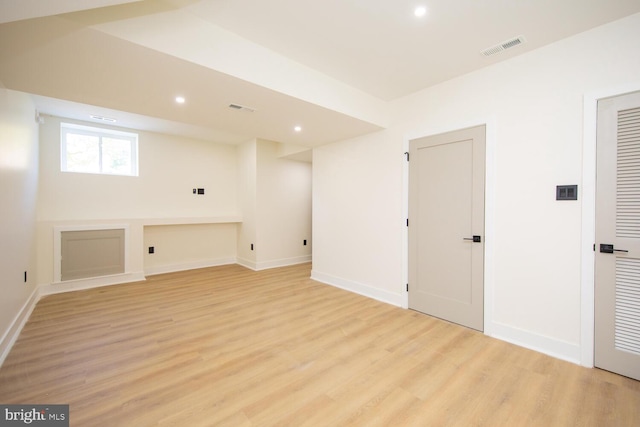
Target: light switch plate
567,192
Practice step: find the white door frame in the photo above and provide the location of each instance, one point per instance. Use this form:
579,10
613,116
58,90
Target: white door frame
587,299
489,206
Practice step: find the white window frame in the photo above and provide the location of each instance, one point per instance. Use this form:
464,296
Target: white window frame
66,128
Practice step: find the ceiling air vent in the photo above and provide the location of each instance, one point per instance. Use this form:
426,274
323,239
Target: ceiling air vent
507,44
241,108
103,118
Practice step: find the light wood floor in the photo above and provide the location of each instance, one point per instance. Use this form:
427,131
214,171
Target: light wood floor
227,346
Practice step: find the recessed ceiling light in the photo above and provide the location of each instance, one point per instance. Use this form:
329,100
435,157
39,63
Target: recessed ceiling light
180,99
420,11
298,128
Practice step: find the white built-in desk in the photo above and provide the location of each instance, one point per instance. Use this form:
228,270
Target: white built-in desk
188,221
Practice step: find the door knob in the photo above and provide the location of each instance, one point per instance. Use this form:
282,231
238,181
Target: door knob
475,239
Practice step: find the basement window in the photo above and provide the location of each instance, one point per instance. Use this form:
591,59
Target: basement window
88,149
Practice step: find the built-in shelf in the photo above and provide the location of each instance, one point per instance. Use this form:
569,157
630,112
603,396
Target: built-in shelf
187,221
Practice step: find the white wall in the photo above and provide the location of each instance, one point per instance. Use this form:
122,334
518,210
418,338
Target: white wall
18,194
283,208
248,183
169,168
185,247
247,163
275,199
533,106
357,215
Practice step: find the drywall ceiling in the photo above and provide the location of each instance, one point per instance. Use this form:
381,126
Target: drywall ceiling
330,67
16,10
382,48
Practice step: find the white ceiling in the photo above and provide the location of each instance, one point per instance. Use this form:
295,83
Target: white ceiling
330,66
380,47
16,10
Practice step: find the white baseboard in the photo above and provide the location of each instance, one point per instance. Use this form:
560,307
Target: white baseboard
358,288
12,333
540,343
94,282
550,346
265,265
251,265
188,266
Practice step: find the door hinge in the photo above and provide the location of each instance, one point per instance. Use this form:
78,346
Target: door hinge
407,222
594,247
407,154
407,287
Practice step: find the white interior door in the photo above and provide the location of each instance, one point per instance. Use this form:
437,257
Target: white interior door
446,226
617,268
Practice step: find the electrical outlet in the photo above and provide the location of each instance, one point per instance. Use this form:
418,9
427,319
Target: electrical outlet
304,242
252,246
195,191
152,250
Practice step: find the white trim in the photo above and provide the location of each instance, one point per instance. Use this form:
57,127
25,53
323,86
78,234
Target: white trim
359,288
13,332
489,208
251,265
284,262
540,343
489,223
192,220
188,266
265,265
587,271
587,263
93,282
405,229
57,244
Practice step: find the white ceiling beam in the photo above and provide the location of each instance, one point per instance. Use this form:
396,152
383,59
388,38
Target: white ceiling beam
185,36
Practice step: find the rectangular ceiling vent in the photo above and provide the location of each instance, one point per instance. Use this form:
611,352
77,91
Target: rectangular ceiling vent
103,118
241,108
507,44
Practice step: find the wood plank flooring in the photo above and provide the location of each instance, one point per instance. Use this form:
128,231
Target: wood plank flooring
227,346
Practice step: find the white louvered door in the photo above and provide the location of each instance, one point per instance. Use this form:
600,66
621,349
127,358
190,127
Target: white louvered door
617,281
